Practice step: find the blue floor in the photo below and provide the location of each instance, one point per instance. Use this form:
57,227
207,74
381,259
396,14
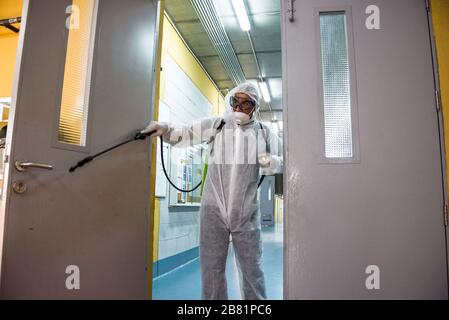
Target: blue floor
184,283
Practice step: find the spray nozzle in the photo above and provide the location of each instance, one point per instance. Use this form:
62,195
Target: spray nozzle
143,136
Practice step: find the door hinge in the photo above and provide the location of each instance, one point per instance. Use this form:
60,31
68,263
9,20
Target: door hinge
445,215
438,99
427,6
291,11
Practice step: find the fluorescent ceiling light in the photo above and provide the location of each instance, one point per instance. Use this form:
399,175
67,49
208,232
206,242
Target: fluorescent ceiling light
265,93
242,16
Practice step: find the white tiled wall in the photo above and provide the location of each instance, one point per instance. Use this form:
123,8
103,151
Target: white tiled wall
183,103
178,229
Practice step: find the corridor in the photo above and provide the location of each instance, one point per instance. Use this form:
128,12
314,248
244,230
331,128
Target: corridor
184,283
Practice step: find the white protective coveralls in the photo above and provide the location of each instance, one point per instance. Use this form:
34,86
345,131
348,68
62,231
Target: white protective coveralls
229,201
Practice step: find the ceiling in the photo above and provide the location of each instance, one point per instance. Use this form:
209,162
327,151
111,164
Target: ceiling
265,33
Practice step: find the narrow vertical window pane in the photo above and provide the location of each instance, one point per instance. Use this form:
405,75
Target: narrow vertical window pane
336,85
76,86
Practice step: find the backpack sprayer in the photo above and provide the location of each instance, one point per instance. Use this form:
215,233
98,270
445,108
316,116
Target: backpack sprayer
143,136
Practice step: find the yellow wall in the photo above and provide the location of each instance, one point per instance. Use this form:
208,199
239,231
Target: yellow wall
8,49
173,45
8,45
10,9
440,15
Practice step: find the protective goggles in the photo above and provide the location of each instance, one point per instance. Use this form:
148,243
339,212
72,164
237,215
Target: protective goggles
244,104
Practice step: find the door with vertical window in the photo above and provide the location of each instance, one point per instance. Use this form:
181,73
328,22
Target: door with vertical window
364,191
84,81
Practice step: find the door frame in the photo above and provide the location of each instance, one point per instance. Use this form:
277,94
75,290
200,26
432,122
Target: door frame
153,145
285,10
440,119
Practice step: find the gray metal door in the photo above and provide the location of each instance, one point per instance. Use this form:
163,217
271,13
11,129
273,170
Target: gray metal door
364,193
96,218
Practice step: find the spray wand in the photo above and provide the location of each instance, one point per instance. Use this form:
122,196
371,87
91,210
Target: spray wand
138,136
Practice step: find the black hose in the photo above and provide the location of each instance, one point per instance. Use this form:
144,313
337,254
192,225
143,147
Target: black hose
166,175
142,136
90,158
260,181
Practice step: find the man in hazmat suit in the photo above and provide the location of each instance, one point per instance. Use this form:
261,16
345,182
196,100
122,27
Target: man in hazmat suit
239,148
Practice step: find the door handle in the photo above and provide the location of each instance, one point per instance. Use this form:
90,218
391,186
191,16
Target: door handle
21,166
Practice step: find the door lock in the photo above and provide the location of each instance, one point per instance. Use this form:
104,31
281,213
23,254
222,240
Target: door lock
19,187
